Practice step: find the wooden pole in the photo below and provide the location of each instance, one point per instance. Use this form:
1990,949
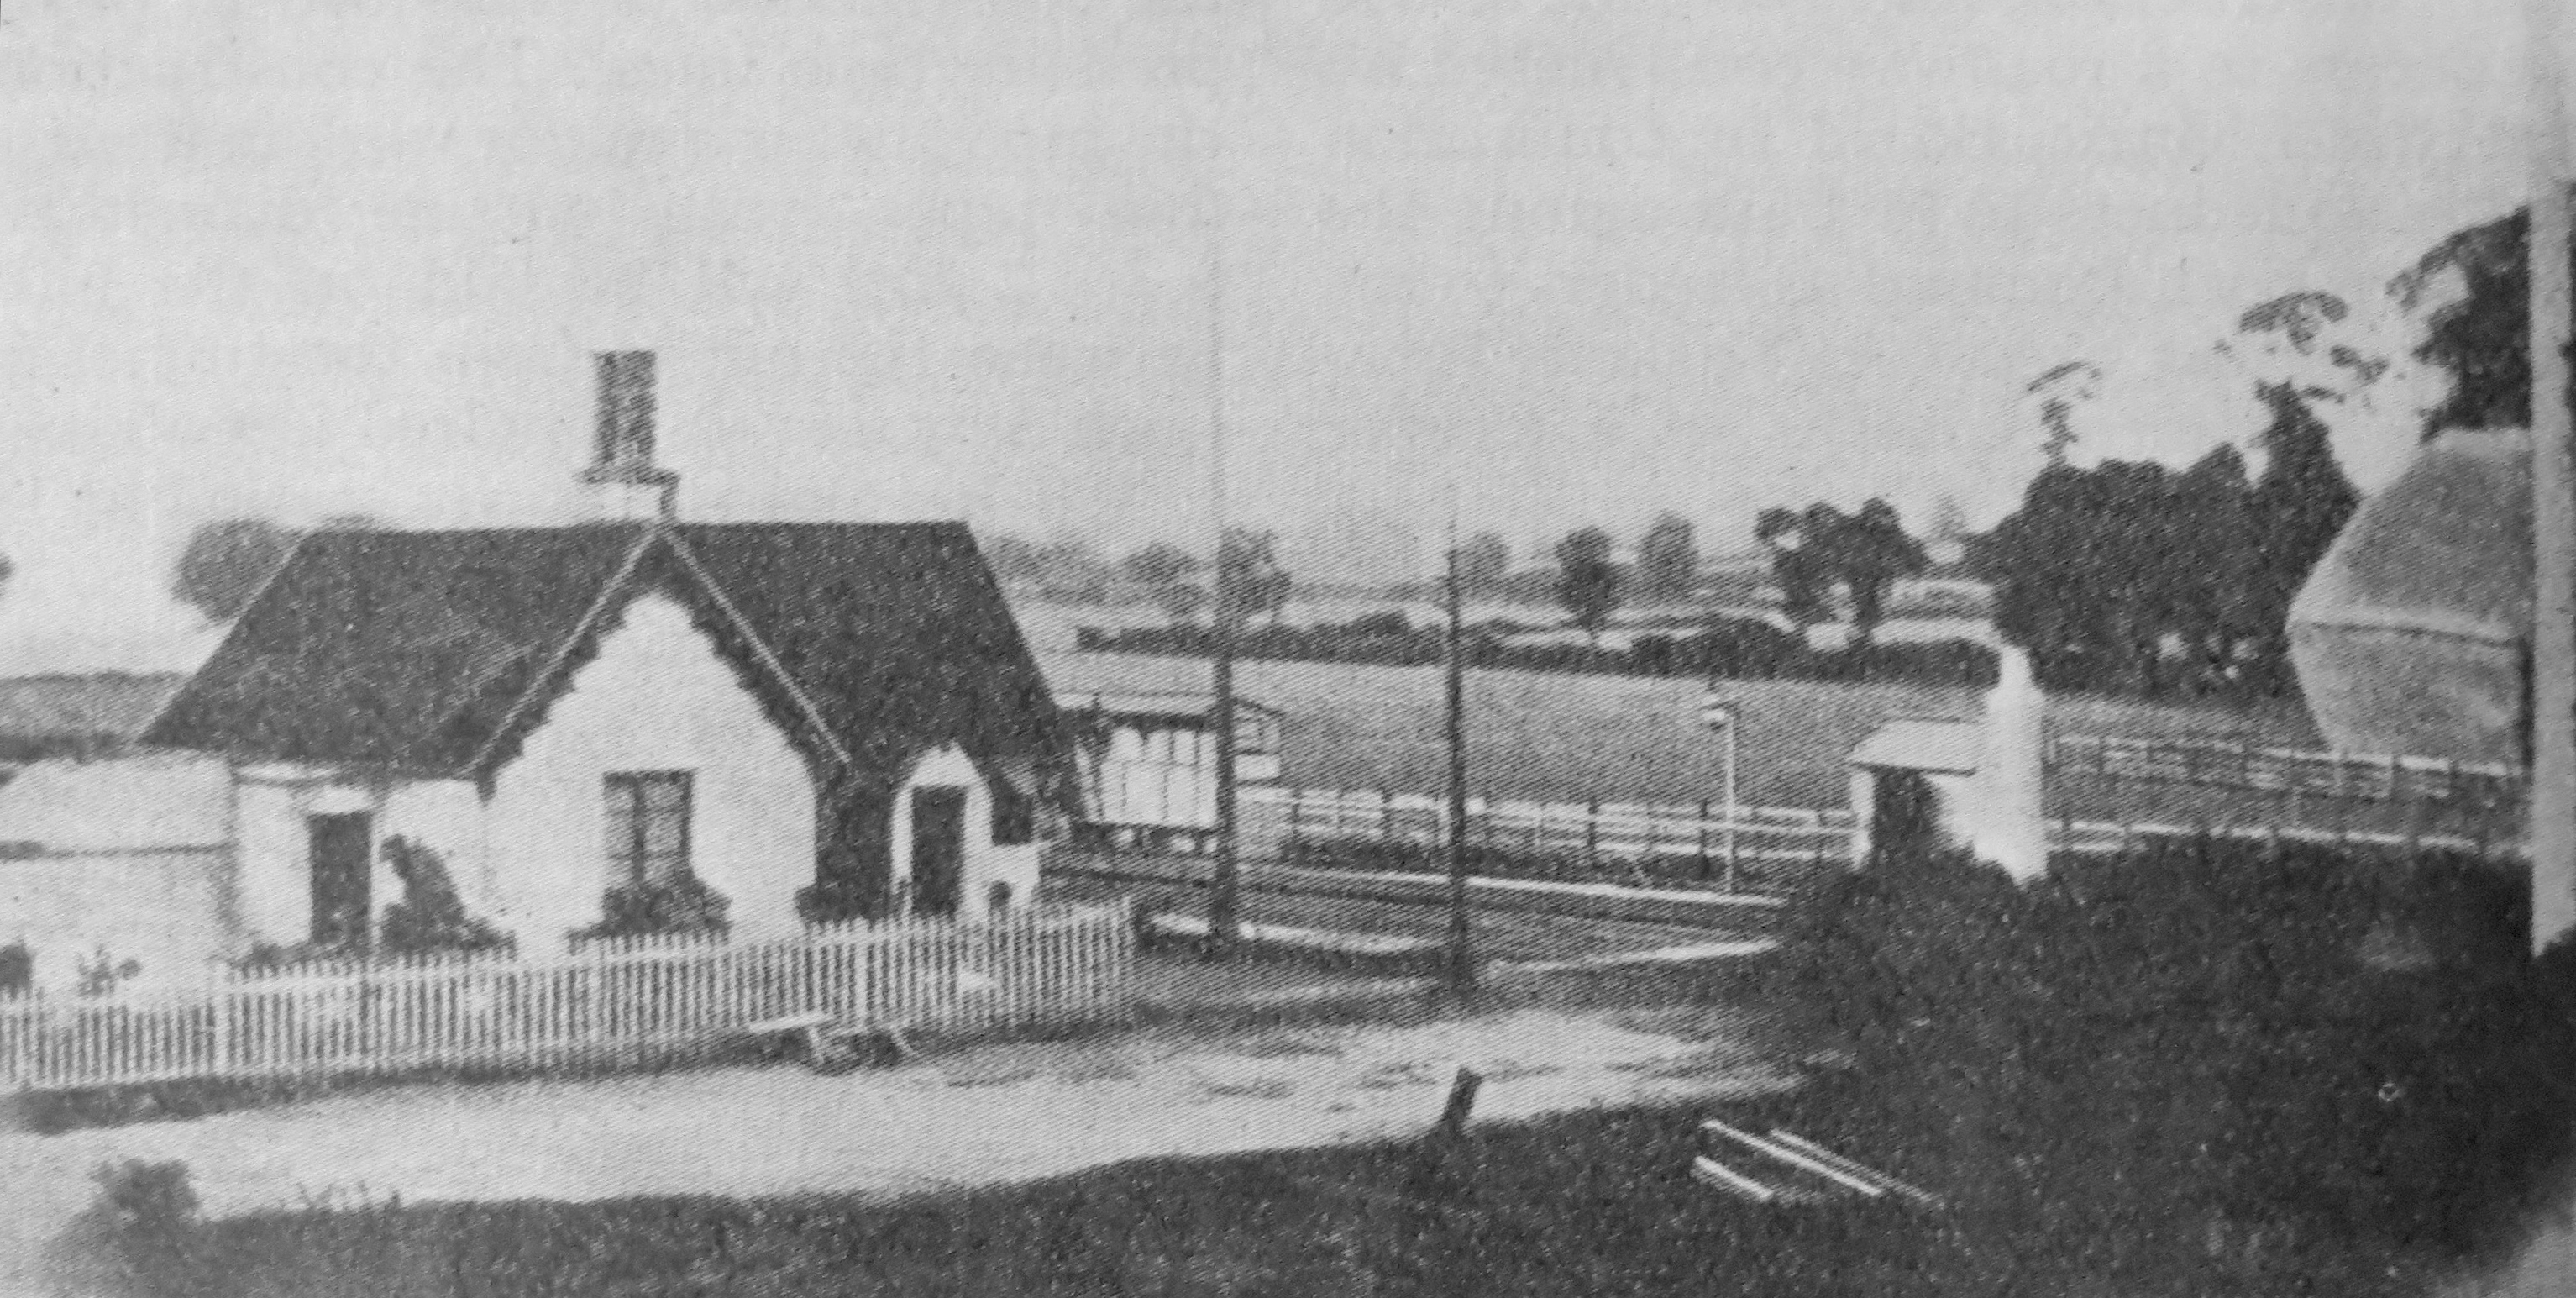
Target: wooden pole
1462,960
2553,478
1224,892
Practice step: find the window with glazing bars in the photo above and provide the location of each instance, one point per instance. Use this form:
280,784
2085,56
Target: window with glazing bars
648,827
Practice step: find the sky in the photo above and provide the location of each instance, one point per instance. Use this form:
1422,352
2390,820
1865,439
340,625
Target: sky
1583,262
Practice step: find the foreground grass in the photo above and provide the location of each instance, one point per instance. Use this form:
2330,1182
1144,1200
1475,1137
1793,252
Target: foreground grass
1598,1202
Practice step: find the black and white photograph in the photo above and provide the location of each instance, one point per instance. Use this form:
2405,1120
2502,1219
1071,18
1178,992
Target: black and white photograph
1287,647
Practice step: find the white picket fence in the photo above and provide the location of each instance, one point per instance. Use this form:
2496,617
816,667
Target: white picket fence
609,1002
1631,831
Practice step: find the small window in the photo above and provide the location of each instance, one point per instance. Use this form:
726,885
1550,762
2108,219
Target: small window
648,828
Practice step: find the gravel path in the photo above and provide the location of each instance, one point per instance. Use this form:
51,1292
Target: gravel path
991,1113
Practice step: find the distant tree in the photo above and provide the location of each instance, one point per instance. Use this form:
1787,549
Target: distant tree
8,569
2210,578
2296,510
1482,563
1949,521
2482,337
1164,570
1801,560
1667,560
1870,552
227,561
350,523
1014,558
1071,571
1587,580
2059,391
1251,581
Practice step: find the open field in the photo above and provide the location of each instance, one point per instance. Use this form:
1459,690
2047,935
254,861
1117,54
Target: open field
1571,738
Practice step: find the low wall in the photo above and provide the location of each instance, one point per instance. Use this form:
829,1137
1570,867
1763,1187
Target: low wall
169,910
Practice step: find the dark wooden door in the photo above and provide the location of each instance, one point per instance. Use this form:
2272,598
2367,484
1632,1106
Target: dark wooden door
938,849
339,851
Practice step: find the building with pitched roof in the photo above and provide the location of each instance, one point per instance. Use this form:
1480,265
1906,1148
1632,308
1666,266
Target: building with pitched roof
807,719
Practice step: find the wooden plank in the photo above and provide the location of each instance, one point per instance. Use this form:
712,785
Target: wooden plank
1709,1171
1803,1162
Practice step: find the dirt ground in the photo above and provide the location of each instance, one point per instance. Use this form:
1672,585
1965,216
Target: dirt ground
987,1113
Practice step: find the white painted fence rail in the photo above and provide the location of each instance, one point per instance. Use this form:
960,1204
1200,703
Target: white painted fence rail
2359,777
608,1002
1618,830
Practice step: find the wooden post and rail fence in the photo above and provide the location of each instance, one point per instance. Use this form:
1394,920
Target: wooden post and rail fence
612,1001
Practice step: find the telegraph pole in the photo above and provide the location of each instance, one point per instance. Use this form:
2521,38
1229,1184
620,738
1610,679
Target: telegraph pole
1462,958
2553,490
1224,901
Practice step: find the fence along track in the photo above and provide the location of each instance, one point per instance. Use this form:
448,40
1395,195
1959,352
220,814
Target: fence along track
1618,830
611,1001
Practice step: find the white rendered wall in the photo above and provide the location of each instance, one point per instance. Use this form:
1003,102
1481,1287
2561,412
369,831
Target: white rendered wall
165,910
657,697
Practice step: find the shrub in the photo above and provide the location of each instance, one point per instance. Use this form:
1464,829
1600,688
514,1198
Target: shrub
833,903
17,969
2197,1023
140,1230
681,905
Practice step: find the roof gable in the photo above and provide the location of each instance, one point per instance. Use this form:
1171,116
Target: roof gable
439,651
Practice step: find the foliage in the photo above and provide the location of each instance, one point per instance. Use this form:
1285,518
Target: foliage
1587,580
680,905
1014,559
1668,559
2127,577
1482,563
17,968
1815,550
1724,647
2198,1025
1164,570
140,1234
100,974
834,901
430,917
1250,581
2483,337
2060,390
226,563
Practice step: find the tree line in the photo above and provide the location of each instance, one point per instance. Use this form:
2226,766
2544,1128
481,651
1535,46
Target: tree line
2136,578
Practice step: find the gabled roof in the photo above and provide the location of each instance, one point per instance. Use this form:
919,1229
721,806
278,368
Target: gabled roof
437,652
1915,744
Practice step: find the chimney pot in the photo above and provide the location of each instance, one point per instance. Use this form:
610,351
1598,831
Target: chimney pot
624,482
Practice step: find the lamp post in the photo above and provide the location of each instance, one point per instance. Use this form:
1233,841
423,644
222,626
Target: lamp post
1718,714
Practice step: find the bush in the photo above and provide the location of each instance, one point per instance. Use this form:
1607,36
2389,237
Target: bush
682,905
833,903
1729,648
2203,1024
140,1233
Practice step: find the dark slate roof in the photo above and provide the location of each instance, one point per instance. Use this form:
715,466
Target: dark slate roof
436,652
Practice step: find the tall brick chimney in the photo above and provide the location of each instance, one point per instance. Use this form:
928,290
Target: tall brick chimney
624,484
